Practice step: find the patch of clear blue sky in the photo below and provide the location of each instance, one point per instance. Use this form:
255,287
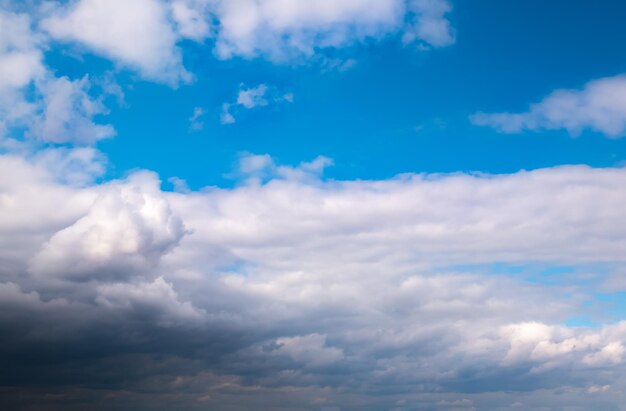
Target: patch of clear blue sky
398,110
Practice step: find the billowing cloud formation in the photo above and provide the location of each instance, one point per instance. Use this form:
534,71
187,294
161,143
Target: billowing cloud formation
600,106
292,291
135,33
128,228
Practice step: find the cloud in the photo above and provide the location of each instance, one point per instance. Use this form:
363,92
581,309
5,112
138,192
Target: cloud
599,106
144,35
226,116
429,23
191,19
75,167
21,59
127,230
21,62
67,113
249,98
136,34
261,167
252,97
156,298
289,286
196,121
287,29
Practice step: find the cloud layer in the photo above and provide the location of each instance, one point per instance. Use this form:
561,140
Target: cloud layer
289,289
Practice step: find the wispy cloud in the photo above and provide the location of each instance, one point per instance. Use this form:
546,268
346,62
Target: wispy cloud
599,106
249,98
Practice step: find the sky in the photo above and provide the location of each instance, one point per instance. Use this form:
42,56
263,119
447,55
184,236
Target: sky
326,205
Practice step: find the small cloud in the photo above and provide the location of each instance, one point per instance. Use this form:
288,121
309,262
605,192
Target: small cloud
328,64
196,121
225,116
262,167
595,389
251,98
288,97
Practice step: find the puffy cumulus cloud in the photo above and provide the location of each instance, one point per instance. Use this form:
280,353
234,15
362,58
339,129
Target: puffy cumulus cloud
255,168
26,220
599,106
137,34
128,228
289,289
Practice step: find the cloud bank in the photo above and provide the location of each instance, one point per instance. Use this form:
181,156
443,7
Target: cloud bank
293,291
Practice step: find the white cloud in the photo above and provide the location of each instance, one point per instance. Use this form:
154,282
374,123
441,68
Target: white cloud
600,106
290,281
285,29
21,59
156,298
252,97
75,167
21,62
429,23
225,116
196,121
35,106
249,98
255,168
191,18
67,113
128,229
135,33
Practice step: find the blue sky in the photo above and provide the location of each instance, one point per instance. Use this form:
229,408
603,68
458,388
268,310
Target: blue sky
397,110
331,205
